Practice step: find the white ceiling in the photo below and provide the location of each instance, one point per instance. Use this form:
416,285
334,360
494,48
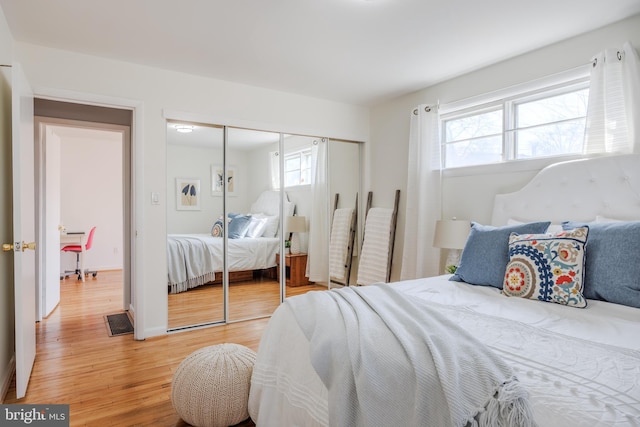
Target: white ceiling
353,51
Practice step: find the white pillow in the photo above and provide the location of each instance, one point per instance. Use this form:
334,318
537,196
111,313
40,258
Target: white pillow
257,226
553,227
270,226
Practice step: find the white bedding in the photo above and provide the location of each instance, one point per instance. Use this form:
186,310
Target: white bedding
580,366
193,259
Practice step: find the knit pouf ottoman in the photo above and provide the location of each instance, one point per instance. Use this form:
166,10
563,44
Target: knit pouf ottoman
210,388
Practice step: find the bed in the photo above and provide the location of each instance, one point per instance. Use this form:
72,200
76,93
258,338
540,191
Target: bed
429,351
197,259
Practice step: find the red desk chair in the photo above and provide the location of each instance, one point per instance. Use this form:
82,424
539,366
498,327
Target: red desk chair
78,250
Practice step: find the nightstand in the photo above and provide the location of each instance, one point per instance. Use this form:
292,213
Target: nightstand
295,266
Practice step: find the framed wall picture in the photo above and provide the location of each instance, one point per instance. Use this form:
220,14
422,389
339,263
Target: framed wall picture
188,194
217,183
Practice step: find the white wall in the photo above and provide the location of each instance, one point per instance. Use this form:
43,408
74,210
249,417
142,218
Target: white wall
470,196
192,163
258,163
54,72
91,195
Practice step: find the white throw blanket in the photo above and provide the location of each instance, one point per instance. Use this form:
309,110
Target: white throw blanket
375,247
193,259
388,361
339,242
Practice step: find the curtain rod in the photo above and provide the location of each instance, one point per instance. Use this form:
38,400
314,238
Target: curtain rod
580,69
572,74
427,108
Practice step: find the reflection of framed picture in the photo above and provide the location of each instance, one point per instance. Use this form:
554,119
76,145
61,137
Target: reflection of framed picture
217,184
188,194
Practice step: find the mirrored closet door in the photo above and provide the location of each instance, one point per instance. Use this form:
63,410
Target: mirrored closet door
277,193
255,234
322,179
195,259
306,222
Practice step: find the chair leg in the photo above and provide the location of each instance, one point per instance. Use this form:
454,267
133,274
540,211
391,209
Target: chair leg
68,273
93,273
77,271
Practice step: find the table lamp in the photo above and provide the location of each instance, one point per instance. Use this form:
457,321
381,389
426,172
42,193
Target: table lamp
452,235
296,225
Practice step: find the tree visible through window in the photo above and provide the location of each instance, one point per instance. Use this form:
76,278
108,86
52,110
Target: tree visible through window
551,126
542,123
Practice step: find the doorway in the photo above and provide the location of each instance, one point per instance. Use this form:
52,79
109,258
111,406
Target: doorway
87,151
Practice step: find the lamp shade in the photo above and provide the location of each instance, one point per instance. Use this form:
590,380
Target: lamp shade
296,224
451,234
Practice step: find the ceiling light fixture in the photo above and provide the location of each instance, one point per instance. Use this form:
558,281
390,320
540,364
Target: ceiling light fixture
184,128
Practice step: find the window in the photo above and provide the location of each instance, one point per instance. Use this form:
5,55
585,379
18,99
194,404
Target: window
297,168
526,125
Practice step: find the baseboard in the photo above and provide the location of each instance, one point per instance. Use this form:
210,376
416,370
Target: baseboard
7,377
107,268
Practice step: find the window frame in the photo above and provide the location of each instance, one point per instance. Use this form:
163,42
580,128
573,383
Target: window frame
507,100
300,154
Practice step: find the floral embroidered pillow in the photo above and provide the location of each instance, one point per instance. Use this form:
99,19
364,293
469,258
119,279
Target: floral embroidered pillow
547,267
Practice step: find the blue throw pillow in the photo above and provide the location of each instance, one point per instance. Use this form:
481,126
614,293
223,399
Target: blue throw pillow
238,226
612,270
486,253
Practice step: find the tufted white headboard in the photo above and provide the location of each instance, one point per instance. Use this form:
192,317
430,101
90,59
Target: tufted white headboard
576,190
267,203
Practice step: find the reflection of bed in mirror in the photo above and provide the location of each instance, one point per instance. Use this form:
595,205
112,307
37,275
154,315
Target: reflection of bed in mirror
197,259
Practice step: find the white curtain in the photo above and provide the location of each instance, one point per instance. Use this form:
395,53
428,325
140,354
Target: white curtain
318,253
423,206
613,114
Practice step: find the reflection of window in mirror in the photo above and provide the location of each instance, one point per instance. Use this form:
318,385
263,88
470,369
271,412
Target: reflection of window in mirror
297,168
300,159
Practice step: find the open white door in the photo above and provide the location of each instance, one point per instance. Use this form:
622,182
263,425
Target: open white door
23,227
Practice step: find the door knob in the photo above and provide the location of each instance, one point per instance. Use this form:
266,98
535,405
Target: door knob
26,246
6,247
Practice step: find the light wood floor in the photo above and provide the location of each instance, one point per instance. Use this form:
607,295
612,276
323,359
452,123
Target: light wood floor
247,300
114,381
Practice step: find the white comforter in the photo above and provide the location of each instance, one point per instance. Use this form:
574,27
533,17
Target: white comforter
193,259
580,366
